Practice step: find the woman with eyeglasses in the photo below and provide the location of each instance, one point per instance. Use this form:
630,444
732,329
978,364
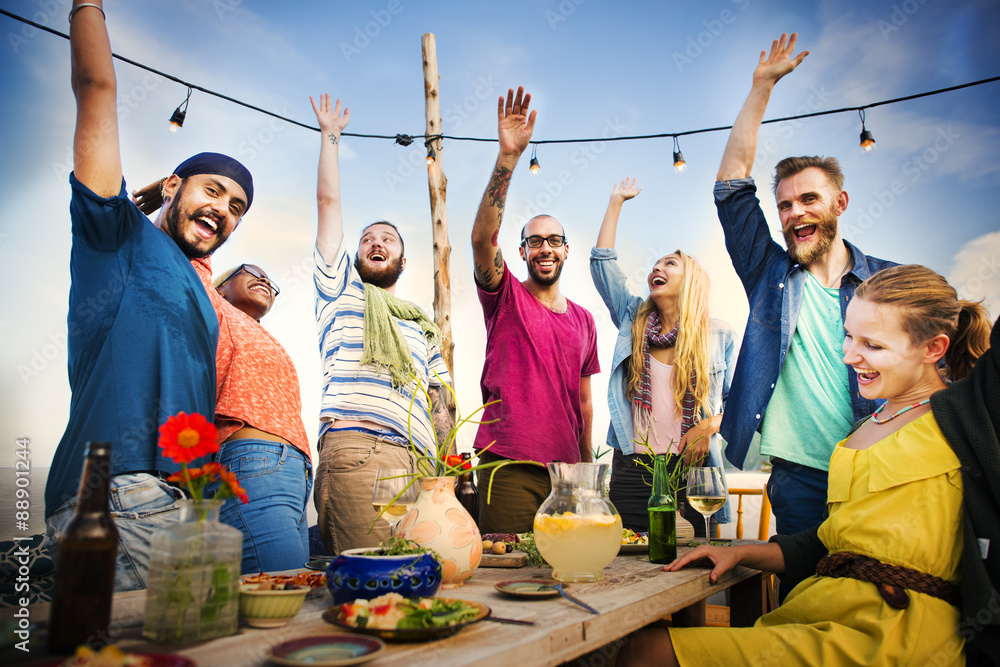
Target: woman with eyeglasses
670,372
258,414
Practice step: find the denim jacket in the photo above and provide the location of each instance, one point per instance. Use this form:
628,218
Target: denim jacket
609,280
774,284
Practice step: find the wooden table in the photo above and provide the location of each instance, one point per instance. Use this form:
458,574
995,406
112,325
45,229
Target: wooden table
633,594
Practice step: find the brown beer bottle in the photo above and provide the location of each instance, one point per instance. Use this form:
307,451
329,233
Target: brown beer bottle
466,491
85,565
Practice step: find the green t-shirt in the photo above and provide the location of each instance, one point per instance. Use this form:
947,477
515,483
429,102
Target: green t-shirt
810,410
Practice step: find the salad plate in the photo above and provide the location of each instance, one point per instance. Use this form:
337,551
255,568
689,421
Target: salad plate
331,615
528,588
326,651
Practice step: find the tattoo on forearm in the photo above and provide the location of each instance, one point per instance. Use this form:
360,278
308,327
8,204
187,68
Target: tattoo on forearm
497,190
332,137
498,262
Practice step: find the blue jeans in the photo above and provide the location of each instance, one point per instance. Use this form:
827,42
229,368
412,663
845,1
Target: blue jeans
798,500
140,504
278,480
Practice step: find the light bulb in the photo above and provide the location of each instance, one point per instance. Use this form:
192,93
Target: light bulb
680,166
867,143
534,167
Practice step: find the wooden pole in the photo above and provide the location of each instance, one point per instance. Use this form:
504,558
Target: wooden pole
438,186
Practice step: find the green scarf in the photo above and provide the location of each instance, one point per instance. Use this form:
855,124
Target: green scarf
385,347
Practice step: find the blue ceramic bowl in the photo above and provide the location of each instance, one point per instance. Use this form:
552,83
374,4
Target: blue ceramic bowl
352,576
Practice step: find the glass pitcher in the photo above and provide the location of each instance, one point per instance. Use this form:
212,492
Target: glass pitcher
577,529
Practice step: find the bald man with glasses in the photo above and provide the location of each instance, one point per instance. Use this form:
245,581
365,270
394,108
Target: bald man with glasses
541,347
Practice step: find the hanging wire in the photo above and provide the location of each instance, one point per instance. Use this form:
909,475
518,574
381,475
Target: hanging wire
482,139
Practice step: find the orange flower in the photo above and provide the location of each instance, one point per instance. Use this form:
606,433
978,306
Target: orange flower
184,437
229,479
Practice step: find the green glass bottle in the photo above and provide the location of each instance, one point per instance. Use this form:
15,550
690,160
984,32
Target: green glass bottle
662,515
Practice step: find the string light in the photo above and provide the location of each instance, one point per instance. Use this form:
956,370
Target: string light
680,166
180,113
177,119
867,139
533,165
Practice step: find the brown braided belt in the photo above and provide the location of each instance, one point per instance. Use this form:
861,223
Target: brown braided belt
892,580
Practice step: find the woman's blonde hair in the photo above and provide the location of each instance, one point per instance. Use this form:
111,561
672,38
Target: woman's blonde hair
930,306
693,338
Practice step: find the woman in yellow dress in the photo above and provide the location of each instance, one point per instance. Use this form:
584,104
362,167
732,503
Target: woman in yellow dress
889,553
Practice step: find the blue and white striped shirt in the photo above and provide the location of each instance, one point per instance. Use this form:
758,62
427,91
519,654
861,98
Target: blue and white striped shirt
362,393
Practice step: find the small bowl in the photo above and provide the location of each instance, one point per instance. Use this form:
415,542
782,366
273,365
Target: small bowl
271,608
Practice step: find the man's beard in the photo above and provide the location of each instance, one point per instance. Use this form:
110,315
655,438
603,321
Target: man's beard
171,226
551,279
385,277
826,231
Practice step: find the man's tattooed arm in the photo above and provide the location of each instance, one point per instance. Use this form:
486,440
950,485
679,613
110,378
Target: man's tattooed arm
440,415
488,260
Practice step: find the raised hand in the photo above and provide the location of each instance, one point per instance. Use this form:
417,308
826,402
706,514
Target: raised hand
625,190
779,62
330,122
514,123
149,198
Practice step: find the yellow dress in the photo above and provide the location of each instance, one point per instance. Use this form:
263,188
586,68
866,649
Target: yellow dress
899,501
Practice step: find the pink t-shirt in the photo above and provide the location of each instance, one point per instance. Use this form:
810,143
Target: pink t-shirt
666,421
535,359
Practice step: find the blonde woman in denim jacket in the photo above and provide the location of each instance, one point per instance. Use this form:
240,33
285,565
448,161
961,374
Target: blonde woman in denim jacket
677,309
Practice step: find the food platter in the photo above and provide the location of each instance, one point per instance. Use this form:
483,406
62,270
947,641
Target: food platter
631,549
528,588
411,634
326,650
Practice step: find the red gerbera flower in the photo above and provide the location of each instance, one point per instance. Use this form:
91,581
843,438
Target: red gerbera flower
184,437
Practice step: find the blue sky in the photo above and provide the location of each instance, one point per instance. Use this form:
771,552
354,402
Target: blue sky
595,69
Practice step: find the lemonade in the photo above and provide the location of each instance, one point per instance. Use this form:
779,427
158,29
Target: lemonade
578,546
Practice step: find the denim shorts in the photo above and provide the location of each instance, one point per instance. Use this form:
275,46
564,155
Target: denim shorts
140,504
278,479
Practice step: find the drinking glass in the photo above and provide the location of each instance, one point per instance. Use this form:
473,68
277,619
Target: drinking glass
390,483
706,493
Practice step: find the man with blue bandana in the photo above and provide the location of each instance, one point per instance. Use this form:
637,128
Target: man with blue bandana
142,332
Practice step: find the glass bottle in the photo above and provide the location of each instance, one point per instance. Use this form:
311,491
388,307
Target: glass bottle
662,508
85,570
466,490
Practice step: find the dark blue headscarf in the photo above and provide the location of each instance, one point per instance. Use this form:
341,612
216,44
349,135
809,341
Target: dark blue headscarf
220,165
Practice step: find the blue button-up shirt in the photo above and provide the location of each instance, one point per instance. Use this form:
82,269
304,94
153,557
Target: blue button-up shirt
774,284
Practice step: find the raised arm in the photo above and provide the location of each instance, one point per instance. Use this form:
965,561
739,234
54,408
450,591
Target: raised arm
737,161
330,228
514,128
621,194
97,161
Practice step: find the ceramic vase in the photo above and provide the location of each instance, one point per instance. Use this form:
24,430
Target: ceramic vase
194,576
439,522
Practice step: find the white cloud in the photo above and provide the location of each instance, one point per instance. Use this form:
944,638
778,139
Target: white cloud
975,271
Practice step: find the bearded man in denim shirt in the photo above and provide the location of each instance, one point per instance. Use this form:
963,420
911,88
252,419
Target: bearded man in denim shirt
790,362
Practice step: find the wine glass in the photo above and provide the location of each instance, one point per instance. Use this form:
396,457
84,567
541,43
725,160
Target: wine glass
390,483
706,493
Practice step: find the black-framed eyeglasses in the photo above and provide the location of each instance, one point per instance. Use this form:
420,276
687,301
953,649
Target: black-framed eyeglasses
253,271
554,241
